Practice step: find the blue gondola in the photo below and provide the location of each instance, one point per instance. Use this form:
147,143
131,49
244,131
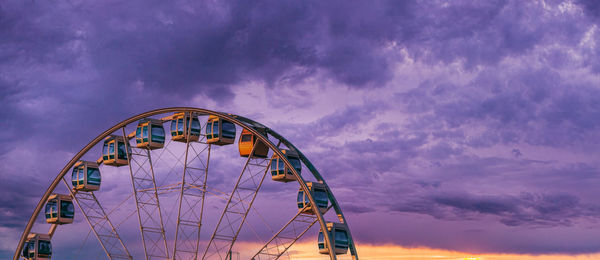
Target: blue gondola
279,172
319,194
219,131
184,126
150,134
339,233
59,209
86,176
37,247
114,151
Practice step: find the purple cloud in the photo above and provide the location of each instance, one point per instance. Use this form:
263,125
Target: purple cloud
462,119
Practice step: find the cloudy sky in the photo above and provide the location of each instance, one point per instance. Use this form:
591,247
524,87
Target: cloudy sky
469,126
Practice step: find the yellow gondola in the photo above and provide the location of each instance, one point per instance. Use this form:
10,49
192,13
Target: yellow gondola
219,131
86,176
319,194
279,172
184,125
113,151
59,209
247,141
339,233
37,247
150,134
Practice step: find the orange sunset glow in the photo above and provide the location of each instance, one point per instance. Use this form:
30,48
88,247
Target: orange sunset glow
306,251
383,252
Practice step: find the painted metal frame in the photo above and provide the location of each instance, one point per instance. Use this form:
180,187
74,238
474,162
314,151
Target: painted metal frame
238,120
148,205
98,223
235,207
185,226
297,226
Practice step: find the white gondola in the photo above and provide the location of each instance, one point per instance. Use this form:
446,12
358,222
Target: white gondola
114,151
59,209
150,134
319,194
339,233
183,126
279,172
86,176
37,247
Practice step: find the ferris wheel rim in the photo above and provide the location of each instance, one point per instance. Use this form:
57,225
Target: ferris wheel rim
245,123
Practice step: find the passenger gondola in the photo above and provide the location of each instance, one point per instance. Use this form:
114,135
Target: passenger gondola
219,131
279,172
37,247
247,141
59,209
114,151
184,126
339,234
150,134
86,176
319,194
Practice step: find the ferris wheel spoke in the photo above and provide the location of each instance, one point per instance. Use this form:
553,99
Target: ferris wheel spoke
189,215
287,235
147,202
100,223
238,205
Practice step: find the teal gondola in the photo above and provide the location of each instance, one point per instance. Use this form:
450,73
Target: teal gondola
86,176
319,194
279,172
185,127
219,131
59,209
339,233
150,134
114,152
37,247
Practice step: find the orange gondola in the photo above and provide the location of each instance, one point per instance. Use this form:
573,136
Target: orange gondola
247,141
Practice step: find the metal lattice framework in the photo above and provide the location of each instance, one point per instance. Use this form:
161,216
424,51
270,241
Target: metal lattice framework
100,224
191,200
148,205
191,193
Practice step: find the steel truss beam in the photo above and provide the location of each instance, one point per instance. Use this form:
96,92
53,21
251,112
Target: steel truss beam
100,224
191,201
237,207
287,236
146,200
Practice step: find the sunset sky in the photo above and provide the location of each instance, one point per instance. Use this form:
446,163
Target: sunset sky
446,129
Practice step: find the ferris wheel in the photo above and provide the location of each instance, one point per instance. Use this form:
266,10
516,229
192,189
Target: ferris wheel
188,193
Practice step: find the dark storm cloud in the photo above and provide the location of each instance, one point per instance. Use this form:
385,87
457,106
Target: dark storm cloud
592,7
178,47
14,194
553,209
69,70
